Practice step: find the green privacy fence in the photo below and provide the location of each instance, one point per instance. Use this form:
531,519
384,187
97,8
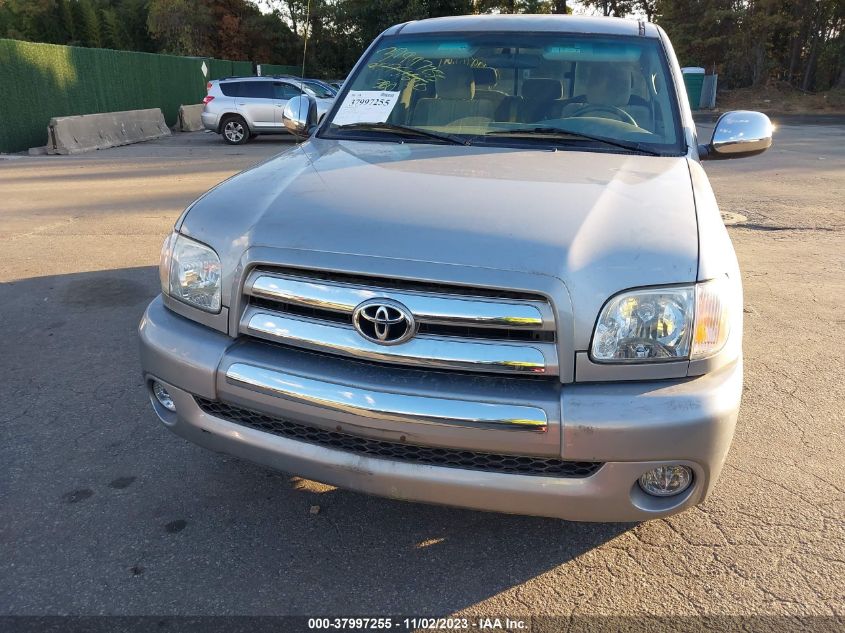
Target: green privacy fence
41,81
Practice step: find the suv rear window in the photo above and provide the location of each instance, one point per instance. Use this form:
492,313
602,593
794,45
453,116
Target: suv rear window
254,89
231,88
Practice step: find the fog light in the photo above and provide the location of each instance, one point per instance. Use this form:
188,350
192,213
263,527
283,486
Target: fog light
666,481
163,397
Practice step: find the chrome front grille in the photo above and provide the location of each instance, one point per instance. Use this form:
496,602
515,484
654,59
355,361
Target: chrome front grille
456,329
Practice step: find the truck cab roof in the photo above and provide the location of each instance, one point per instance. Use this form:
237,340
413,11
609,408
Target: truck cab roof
537,23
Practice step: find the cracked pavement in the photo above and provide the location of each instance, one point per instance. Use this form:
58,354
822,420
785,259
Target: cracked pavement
105,512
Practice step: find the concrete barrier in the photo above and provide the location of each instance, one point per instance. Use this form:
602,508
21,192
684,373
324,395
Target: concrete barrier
189,118
86,132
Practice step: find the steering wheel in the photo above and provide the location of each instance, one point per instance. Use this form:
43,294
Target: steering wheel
609,109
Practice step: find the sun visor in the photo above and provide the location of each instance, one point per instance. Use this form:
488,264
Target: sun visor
593,52
438,49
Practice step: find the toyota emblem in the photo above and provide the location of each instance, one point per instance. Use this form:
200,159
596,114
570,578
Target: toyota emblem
384,321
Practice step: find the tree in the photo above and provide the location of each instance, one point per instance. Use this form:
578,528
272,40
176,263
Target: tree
180,27
91,28
34,20
114,33
749,42
754,42
623,8
534,6
66,19
133,17
291,11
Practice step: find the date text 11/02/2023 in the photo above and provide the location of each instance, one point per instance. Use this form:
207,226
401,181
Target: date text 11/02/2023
419,623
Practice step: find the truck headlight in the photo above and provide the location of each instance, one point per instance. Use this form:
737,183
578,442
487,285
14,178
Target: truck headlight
663,324
190,272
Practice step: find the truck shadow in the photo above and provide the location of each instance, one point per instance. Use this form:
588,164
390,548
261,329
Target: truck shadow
183,530
409,557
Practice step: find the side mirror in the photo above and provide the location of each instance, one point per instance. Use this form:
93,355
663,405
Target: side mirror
300,115
738,134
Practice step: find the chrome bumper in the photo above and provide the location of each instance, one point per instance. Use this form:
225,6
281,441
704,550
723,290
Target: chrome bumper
631,427
401,407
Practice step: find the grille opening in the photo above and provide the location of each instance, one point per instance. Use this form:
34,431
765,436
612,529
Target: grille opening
424,455
405,284
413,372
497,333
303,311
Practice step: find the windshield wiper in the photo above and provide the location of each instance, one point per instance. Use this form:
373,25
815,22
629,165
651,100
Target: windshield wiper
559,133
403,130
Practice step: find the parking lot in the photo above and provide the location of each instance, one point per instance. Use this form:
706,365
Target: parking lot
106,512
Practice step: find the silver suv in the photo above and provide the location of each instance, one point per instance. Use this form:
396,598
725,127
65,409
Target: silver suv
244,107
494,276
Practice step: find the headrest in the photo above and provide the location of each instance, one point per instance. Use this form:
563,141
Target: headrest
608,84
486,77
456,83
542,89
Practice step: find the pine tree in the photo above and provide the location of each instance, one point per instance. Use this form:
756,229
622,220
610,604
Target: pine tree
91,28
114,35
67,21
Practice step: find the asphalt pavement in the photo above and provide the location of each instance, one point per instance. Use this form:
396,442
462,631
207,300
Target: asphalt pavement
103,511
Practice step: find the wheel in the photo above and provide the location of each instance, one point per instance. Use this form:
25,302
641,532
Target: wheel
235,131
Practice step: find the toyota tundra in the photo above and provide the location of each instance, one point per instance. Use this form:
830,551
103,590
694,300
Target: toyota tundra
493,276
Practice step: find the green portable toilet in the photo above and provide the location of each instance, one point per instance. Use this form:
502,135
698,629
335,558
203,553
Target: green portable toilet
693,81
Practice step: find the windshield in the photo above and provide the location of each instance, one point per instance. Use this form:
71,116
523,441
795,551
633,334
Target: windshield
565,90
320,90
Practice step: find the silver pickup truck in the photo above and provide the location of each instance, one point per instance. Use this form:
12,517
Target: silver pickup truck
493,276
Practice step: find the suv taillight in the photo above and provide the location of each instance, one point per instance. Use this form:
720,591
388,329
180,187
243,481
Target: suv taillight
208,86
207,99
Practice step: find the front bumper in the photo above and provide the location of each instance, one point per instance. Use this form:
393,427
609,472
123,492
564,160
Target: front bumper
631,427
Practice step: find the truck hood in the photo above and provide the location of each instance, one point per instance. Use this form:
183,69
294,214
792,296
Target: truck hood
598,222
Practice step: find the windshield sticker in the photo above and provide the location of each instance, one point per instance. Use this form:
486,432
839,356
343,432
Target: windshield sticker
366,106
398,65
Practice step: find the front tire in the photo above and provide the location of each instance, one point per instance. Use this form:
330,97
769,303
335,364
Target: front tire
235,131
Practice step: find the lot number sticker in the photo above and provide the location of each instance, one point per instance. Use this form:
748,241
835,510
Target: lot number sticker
366,106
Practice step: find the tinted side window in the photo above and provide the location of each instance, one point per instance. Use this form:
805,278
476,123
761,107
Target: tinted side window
257,89
232,88
286,91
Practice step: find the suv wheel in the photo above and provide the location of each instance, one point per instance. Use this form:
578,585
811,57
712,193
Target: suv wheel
235,131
